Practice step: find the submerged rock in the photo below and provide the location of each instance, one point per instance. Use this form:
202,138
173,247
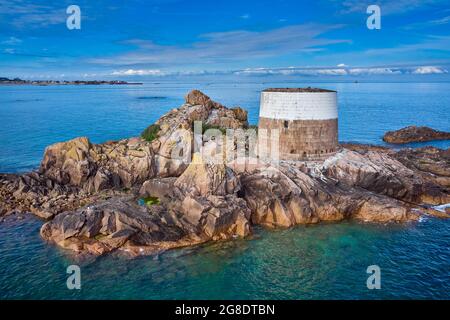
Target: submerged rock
415,134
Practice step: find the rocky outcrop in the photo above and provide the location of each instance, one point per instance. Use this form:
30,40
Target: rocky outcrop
206,194
174,147
198,98
93,168
429,162
374,171
117,223
369,186
432,165
415,134
92,194
203,178
75,172
35,193
126,163
288,195
190,213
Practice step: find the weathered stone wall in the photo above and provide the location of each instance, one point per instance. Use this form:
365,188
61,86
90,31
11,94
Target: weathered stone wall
302,139
306,121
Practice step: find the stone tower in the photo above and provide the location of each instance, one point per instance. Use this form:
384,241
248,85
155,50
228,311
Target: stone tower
306,119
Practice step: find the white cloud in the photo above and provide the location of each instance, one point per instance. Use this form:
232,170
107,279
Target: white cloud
387,6
429,70
343,71
430,23
332,72
438,22
22,14
133,72
291,71
226,47
374,71
342,65
12,41
441,43
9,51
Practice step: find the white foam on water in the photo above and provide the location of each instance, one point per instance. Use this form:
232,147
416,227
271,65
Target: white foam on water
442,207
422,219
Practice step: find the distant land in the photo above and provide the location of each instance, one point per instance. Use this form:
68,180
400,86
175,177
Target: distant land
18,81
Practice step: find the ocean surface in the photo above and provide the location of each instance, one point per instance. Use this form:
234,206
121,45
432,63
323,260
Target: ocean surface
325,261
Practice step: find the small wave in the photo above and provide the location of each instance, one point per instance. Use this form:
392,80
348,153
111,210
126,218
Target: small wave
442,207
422,219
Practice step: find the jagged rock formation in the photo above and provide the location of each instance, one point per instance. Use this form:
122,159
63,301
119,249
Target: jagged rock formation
89,192
383,174
33,192
199,206
286,196
415,134
97,167
172,138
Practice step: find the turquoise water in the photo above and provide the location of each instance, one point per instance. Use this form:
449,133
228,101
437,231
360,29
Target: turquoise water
326,261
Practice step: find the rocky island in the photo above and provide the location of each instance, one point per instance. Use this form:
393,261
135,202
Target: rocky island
415,134
131,196
18,81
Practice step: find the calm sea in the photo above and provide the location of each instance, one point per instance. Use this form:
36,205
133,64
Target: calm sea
326,261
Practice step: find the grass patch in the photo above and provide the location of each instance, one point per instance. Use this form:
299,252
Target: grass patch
151,133
99,236
149,201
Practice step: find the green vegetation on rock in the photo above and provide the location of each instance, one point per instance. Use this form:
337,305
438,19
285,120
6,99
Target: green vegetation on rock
99,236
149,201
151,133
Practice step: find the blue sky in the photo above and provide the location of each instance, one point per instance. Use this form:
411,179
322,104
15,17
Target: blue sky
159,38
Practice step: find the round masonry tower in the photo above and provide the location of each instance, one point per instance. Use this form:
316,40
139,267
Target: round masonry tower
306,119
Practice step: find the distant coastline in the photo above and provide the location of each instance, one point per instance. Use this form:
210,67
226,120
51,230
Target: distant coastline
18,81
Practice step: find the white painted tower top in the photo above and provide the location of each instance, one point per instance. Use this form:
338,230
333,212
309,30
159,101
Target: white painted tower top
298,104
